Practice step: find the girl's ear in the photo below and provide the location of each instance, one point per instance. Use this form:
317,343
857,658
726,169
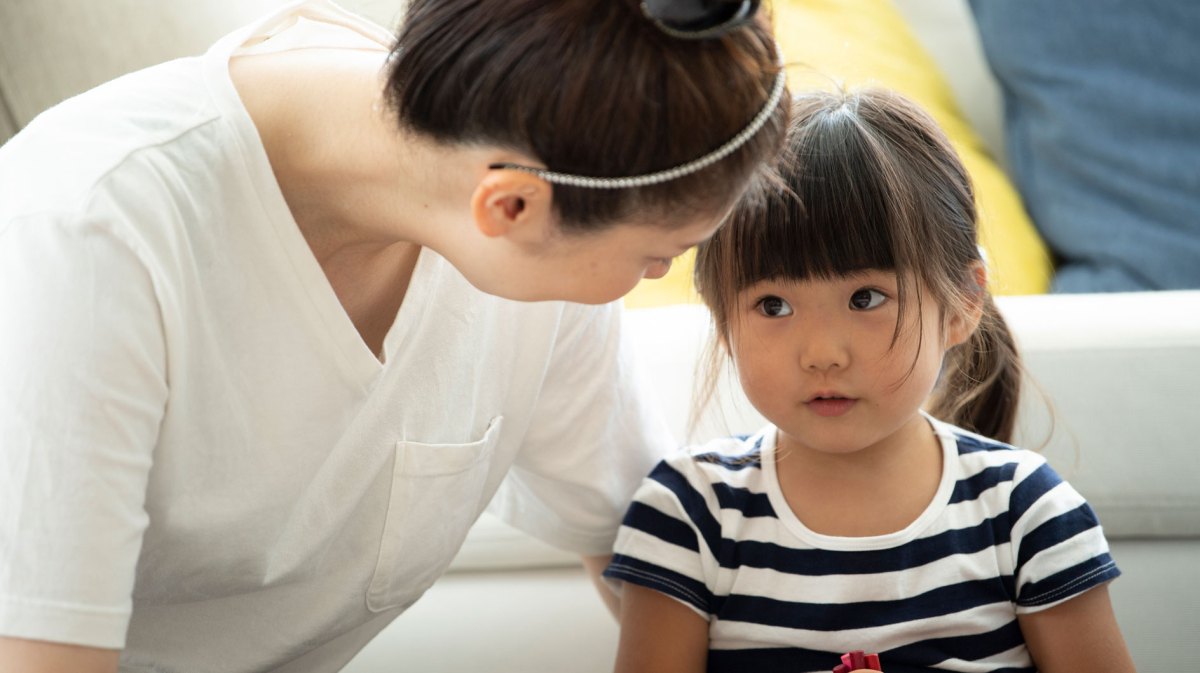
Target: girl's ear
511,203
962,324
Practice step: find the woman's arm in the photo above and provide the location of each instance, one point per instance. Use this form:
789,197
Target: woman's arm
1078,635
84,390
659,634
38,656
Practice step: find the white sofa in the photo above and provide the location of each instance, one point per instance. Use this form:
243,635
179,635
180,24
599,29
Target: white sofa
1123,372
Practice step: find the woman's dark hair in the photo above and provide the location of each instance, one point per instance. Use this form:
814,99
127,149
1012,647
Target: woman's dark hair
590,87
866,180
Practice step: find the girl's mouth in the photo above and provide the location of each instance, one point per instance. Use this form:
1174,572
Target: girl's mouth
832,405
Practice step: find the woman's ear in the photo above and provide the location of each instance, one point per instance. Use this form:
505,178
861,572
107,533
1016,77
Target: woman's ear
962,324
511,203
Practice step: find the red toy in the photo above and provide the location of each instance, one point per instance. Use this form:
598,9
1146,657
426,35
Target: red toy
853,661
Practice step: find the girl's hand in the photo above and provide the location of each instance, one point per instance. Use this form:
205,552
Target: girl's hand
659,634
1078,635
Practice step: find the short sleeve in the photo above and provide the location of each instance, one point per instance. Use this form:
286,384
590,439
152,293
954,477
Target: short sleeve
669,537
595,432
82,388
1057,539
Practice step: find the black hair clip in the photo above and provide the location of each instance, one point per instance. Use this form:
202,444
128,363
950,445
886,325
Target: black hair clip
699,19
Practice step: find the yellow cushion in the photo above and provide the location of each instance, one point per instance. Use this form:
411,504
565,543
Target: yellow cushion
850,43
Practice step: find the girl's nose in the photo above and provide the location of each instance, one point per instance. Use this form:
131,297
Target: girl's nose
823,350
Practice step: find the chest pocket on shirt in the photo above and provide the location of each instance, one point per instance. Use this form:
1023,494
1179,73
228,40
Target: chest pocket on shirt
436,495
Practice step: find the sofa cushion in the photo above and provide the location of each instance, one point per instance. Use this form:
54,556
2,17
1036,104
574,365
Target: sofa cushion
1103,133
8,127
1119,371
947,31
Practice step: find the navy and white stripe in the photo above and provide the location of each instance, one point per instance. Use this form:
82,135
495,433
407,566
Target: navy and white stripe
1005,535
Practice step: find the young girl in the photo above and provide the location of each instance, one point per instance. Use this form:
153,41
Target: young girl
856,520
277,319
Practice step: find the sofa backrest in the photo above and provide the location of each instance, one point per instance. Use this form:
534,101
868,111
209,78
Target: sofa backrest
51,50
1119,372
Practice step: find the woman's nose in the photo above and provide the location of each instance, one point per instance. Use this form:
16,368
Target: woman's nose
658,269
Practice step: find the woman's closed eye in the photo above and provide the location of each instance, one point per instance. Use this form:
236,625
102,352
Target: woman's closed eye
866,299
773,307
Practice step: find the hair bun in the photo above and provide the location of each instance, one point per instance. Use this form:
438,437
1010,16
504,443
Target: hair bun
699,19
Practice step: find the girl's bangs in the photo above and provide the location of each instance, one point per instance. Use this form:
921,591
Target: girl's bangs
829,214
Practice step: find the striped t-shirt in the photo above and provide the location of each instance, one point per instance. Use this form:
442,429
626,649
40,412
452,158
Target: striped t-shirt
1003,535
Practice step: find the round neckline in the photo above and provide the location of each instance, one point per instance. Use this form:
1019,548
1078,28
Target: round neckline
932,511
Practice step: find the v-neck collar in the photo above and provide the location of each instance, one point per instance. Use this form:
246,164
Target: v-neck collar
312,289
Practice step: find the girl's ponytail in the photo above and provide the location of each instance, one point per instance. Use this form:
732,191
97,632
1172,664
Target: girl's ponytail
981,380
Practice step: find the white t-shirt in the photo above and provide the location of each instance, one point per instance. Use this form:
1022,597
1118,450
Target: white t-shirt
200,460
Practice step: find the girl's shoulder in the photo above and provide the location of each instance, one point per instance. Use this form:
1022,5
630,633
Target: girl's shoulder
973,449
734,453
736,460
723,473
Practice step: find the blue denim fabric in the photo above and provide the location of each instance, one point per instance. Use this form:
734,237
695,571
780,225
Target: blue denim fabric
1102,120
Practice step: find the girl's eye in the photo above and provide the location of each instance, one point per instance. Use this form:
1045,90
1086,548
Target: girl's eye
773,307
866,299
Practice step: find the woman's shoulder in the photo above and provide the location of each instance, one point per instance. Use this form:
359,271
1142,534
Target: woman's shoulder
105,137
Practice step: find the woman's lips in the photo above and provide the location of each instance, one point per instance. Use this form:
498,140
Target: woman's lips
830,406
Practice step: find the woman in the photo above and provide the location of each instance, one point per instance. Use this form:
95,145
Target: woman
262,364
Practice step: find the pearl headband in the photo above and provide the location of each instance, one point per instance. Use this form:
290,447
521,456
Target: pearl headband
589,182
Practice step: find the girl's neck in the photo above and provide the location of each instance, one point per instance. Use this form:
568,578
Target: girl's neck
876,490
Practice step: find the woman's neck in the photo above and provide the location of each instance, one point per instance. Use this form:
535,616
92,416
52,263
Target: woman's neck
351,175
364,194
